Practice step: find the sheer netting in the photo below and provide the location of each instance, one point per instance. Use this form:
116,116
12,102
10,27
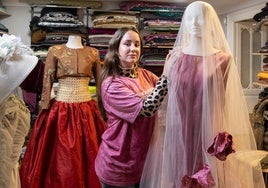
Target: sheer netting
205,107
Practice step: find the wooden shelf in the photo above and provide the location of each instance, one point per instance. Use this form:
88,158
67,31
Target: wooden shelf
258,53
260,84
114,11
176,10
3,12
69,3
154,46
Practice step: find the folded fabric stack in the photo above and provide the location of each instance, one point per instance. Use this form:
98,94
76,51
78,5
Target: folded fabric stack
114,20
160,39
153,59
160,22
261,15
263,75
54,25
166,10
99,38
264,49
159,26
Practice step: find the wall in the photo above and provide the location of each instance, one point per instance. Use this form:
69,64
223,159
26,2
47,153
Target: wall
18,21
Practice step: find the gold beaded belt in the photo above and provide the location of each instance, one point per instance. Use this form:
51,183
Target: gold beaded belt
73,89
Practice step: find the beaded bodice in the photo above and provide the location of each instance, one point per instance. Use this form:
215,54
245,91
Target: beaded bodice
73,89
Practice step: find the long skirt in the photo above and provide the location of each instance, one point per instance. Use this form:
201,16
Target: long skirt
62,147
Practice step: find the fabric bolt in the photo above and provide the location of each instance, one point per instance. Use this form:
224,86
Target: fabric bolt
111,21
263,75
261,15
265,60
14,126
33,82
30,99
113,166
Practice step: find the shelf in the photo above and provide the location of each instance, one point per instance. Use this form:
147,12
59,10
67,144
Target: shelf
260,84
175,10
258,53
115,11
57,6
3,12
77,3
153,46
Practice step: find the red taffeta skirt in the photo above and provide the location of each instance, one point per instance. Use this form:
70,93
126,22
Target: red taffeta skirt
62,147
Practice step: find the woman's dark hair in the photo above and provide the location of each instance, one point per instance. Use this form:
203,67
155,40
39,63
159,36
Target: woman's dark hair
111,62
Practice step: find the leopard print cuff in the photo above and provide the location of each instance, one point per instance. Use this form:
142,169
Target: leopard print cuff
154,100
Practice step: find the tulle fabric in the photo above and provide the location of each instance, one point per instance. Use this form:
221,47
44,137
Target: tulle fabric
205,98
63,146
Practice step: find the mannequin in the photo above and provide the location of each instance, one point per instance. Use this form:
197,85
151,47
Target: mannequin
194,24
205,98
74,42
67,132
16,59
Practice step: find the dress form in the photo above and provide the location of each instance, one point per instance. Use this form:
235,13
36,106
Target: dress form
218,87
74,41
195,27
196,48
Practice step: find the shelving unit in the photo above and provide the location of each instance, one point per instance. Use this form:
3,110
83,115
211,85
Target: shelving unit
259,83
105,23
159,28
48,26
161,24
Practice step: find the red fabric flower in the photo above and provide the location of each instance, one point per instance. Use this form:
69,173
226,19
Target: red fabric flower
202,179
221,146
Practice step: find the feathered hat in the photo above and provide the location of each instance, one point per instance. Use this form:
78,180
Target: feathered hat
16,62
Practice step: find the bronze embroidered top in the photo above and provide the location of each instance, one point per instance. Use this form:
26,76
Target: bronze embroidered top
62,61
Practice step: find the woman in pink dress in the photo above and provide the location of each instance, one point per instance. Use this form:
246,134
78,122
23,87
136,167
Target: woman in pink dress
129,97
205,101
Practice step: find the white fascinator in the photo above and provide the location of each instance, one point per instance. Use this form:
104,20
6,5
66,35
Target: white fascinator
16,62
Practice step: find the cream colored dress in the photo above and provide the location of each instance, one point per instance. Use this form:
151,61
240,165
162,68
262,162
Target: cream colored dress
14,126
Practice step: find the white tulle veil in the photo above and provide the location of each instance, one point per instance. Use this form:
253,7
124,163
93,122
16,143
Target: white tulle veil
222,109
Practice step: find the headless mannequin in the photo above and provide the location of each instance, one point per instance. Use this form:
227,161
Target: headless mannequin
195,25
74,41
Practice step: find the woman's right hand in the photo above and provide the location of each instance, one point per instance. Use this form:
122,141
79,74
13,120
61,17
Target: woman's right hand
168,64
